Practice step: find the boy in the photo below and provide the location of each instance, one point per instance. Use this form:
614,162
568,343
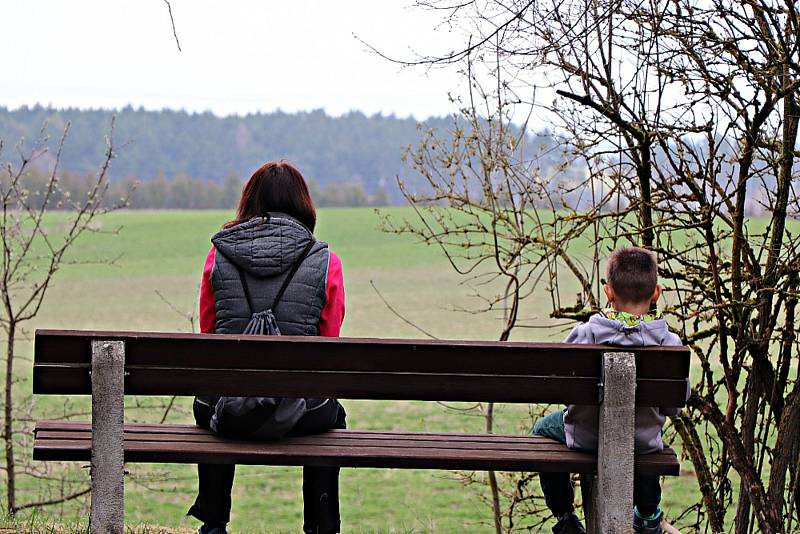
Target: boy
632,289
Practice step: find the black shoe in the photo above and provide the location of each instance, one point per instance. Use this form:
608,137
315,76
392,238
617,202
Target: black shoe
569,524
648,526
212,530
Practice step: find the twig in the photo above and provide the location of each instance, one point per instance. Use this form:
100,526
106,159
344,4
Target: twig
391,309
58,500
188,316
172,20
166,412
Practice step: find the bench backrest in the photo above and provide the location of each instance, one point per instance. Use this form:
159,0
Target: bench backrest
351,368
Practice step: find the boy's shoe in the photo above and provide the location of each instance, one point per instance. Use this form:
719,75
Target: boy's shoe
216,530
569,524
648,526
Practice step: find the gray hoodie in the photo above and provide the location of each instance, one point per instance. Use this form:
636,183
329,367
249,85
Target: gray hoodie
580,421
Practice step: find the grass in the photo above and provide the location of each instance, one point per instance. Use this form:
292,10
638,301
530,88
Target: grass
164,252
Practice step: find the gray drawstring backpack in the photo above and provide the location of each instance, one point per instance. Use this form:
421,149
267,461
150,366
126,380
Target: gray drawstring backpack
262,417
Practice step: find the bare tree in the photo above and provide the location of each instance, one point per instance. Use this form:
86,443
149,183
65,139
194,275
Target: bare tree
684,116
38,230
486,207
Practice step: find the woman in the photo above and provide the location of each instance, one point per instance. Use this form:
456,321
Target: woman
271,241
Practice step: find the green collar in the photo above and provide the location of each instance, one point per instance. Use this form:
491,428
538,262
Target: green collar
630,319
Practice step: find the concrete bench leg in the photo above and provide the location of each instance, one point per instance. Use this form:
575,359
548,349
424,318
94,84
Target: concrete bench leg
610,493
108,492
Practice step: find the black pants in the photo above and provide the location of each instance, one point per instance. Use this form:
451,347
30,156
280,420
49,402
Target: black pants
557,487
559,494
320,484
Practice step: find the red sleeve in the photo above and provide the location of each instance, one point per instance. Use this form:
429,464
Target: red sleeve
208,310
330,322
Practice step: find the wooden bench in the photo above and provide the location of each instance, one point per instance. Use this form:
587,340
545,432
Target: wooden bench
112,364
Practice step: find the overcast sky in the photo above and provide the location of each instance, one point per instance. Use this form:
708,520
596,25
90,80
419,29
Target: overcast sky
238,56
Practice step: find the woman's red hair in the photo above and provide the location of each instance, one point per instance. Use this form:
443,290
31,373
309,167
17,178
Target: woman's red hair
276,186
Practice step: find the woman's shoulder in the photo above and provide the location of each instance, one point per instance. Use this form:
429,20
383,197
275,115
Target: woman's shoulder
334,262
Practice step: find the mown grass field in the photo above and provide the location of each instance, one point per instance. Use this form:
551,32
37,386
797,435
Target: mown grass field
164,252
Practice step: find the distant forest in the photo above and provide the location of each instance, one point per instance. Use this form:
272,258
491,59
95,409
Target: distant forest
186,160
199,160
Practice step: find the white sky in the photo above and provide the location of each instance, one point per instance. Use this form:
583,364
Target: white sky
238,56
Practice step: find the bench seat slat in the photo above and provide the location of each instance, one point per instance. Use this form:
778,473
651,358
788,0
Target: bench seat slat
386,449
343,439
177,429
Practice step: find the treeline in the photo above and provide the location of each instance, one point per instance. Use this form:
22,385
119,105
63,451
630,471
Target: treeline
198,160
184,192
187,192
353,158
359,154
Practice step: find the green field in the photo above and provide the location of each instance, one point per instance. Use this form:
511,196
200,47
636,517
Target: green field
164,252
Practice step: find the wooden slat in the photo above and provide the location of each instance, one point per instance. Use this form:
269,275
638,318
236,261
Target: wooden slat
336,440
178,433
354,354
342,448
356,385
385,457
176,428
192,364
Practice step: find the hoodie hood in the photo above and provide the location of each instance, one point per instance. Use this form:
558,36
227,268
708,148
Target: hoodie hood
602,330
264,246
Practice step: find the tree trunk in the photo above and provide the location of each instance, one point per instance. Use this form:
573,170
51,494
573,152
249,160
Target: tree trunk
8,423
645,173
498,525
705,480
742,520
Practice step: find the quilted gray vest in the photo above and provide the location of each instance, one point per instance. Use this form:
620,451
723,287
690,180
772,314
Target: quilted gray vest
264,249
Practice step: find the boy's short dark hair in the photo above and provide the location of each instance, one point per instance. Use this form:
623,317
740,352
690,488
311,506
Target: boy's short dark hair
632,273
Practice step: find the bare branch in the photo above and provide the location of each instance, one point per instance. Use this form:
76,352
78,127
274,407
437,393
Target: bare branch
172,21
398,314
